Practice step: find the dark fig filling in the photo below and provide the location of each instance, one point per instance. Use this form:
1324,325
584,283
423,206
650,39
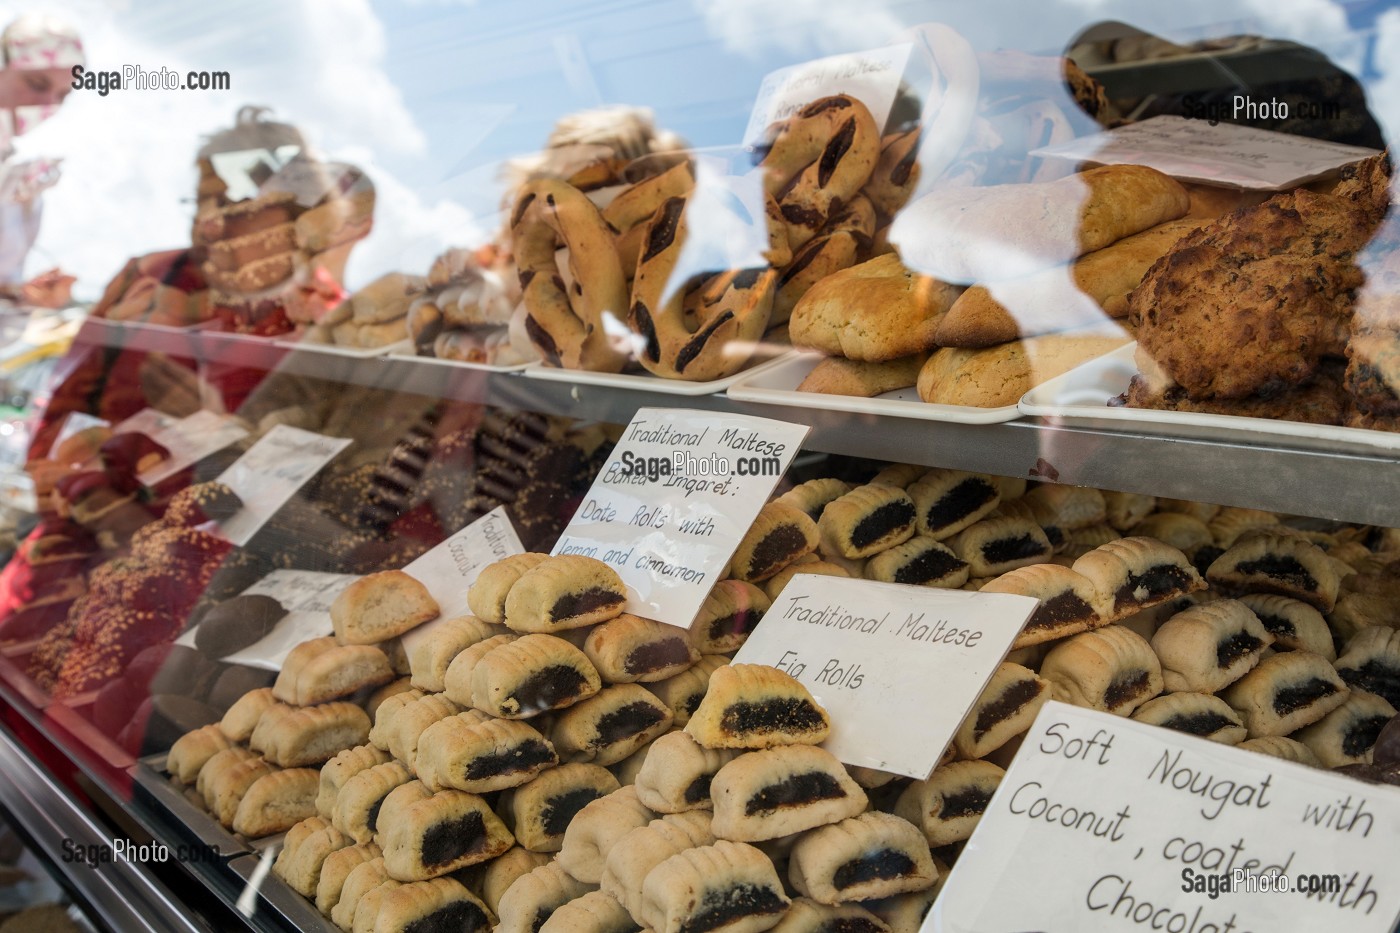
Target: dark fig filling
692,702
626,721
449,840
1231,649
1199,723
737,623
560,809
796,791
541,915
656,655
548,688
1288,571
571,605
1124,688
1204,556
372,814
776,550
456,917
1279,626
933,564
1017,547
1060,610
777,714
851,925
880,865
959,502
1375,676
885,520
526,756
1362,734
718,908
698,789
1291,699
1011,700
1151,586
971,801
1056,536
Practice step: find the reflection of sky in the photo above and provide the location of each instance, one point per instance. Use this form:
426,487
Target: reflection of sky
430,96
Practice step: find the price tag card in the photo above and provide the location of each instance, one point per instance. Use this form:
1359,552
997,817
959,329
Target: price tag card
190,440
271,472
1103,823
871,77
673,501
896,667
450,569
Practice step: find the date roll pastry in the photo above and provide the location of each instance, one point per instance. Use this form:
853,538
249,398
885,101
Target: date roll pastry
1070,507
727,887
779,535
477,754
1069,603
428,661
539,812
379,606
947,501
357,806
594,912
337,867
1125,510
773,587
1347,735
596,828
1112,669
630,649
294,738
1138,573
677,773
727,616
864,857
276,802
610,726
866,521
902,475
457,679
328,671
503,871
1295,625
815,495
531,675
1177,529
193,750
807,916
1279,746
487,596
362,879
407,725
684,692
1232,523
1286,692
218,763
948,806
781,791
426,835
920,561
1005,709
1279,564
1371,662
755,706
564,592
1198,714
534,896
242,717
304,851
634,856
996,545
284,687
439,904
230,782
1206,648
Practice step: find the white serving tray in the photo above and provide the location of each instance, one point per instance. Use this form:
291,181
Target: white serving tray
645,382
1080,397
777,385
406,353
333,349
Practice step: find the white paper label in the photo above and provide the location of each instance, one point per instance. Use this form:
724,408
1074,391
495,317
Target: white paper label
190,440
673,501
871,77
1225,154
897,667
271,472
450,569
1103,823
75,422
147,421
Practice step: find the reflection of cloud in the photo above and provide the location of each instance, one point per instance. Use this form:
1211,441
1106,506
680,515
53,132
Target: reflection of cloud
799,27
1385,92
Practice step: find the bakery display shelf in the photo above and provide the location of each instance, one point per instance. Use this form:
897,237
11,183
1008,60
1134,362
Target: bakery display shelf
265,893
153,786
641,380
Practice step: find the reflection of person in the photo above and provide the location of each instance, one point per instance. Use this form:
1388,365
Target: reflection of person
38,54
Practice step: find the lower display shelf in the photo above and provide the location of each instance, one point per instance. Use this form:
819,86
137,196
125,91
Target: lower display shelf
265,893
152,786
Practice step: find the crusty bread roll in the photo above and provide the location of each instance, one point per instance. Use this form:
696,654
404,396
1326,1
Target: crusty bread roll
1000,375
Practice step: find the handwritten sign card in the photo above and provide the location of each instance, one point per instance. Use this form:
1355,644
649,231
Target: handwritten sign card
307,596
271,472
871,77
190,440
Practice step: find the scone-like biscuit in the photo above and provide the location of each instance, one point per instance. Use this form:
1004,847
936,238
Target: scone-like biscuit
837,375
920,561
782,791
1279,746
1070,507
284,688
528,903
595,912
540,811
1371,662
487,596
727,616
564,592
439,904
596,828
304,851
996,545
362,879
426,835
867,520
755,706
948,806
684,692
276,802
409,722
429,659
342,768
457,678
633,857
814,495
294,738
947,501
606,728
1281,564
630,649
1132,574
1294,624
807,916
1199,714
1286,692
779,535
477,754
338,672
1112,669
337,868
531,675
860,858
379,606
997,376
1347,735
677,773
1125,510
773,587
1007,707
1206,648
1068,602
503,871
727,887
193,749
357,806
242,717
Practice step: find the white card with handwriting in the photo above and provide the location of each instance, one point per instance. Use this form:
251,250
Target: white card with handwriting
270,473
872,77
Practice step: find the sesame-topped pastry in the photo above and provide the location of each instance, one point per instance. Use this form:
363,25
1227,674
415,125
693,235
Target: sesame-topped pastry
727,616
379,606
947,501
1199,714
1206,648
867,520
1136,573
630,649
1069,603
564,592
1111,669
530,675
755,706
779,535
863,857
1280,564
782,791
